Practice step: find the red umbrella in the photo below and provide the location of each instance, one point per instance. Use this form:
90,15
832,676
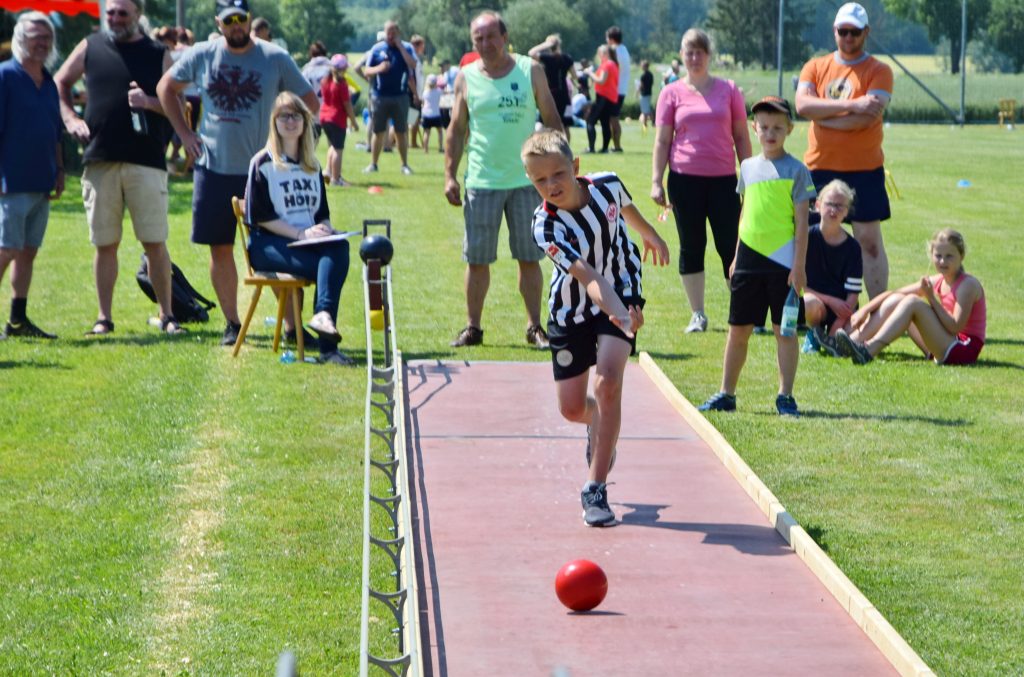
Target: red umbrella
68,7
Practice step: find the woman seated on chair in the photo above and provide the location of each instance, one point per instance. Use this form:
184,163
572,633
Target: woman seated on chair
285,201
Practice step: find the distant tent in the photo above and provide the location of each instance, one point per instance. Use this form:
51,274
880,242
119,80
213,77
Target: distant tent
68,7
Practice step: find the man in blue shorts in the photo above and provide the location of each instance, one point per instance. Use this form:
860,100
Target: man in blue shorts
844,95
239,79
390,68
31,166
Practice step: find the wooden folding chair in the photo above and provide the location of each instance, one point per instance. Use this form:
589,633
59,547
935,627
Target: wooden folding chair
281,283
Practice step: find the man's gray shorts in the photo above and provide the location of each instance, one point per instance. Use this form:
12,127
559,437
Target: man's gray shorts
394,108
23,218
483,209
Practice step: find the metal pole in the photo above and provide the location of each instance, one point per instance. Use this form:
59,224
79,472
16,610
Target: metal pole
782,6
179,12
963,62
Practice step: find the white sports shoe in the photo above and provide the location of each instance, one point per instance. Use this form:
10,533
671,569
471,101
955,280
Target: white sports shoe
698,322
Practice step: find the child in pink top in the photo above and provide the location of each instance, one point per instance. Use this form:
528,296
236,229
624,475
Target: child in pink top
945,314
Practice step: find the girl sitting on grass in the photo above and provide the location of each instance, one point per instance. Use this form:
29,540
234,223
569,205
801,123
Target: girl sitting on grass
944,314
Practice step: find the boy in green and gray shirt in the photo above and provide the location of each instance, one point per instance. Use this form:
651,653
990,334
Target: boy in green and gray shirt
770,252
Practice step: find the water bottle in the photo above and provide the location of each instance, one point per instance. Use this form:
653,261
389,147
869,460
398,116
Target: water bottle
139,125
287,357
269,321
790,311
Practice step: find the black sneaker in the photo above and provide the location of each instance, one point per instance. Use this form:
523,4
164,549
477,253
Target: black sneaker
26,329
470,336
337,357
307,339
786,406
615,452
596,512
828,343
536,336
719,402
230,334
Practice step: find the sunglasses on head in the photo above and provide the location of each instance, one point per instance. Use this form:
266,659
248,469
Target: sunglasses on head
849,32
233,19
117,12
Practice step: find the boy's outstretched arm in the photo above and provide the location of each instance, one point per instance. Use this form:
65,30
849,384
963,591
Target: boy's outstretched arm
603,294
652,241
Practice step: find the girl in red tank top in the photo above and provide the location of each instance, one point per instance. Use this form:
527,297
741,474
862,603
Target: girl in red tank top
943,314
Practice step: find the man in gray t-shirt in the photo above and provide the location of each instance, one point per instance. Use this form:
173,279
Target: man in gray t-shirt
238,78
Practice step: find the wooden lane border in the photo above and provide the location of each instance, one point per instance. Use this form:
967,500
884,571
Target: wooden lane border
864,614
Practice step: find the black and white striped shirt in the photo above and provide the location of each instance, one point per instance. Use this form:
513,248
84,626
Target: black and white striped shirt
597,234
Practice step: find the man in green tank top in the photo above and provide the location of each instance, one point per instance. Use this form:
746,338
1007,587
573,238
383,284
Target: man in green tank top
496,104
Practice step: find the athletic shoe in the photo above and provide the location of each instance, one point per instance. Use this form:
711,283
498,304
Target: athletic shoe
828,343
407,170
719,402
536,336
341,182
615,452
617,150
858,351
470,336
231,332
698,322
26,329
761,330
596,512
811,344
786,406
370,168
337,357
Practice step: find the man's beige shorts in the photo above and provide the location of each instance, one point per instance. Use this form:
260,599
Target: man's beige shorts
109,187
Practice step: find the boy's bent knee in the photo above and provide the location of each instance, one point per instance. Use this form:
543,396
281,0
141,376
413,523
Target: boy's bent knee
573,411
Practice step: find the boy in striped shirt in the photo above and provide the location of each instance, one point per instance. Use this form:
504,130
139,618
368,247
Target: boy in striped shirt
595,296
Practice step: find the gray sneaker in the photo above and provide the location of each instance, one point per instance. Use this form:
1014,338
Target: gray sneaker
590,453
596,512
698,322
857,351
828,343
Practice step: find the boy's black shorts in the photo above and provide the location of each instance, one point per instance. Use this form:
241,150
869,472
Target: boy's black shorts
574,348
753,294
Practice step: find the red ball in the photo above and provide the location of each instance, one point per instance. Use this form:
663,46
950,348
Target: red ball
581,585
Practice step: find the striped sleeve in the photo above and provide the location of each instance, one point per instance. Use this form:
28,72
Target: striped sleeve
550,235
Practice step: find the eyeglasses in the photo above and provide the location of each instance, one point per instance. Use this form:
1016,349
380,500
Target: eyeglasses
117,12
849,32
838,206
234,19
290,117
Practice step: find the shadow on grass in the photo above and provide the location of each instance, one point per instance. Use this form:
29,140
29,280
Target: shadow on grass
15,364
817,534
749,539
1003,342
837,416
671,357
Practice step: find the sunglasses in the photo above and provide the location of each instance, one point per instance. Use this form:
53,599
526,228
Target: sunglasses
290,117
849,32
117,12
235,19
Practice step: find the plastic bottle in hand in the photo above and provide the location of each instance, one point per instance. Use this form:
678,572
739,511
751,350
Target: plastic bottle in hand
790,311
139,125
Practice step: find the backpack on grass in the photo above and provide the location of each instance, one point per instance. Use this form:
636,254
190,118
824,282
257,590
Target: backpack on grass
187,304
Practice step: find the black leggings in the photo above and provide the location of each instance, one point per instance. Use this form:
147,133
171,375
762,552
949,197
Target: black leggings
697,200
601,110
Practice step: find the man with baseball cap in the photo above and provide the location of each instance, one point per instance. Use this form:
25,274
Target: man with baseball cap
239,78
844,95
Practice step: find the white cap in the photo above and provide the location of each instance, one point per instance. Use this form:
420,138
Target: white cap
851,14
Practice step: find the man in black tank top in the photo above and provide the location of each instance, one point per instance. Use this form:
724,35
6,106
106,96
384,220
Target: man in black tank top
125,134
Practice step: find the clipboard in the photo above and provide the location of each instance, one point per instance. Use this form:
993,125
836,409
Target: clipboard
335,237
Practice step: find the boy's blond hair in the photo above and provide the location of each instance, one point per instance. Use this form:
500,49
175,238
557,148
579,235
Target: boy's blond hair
547,141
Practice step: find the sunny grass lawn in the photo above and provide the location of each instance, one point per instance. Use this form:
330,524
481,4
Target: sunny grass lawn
164,508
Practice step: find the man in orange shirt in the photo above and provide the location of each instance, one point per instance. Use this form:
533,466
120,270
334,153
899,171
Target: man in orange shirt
844,94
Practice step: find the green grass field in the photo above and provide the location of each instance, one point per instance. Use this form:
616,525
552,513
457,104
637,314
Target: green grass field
166,509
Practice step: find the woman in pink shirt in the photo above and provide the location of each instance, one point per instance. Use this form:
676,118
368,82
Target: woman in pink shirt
944,314
701,131
606,95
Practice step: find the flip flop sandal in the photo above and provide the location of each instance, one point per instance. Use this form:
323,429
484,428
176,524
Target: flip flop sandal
108,328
